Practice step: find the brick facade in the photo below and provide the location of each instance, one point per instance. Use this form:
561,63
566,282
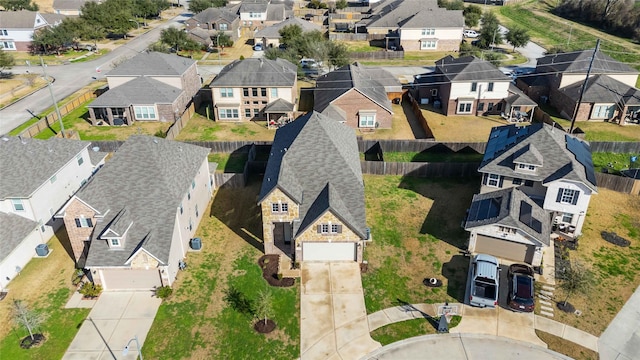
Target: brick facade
442,45
191,82
78,236
352,102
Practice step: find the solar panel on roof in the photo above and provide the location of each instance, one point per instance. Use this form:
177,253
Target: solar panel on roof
484,209
583,156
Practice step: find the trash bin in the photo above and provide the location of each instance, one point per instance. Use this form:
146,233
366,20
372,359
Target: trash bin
42,250
196,243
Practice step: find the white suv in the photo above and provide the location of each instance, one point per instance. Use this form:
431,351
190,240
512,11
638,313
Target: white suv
470,33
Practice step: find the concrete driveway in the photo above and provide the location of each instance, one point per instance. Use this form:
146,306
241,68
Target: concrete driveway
333,318
116,318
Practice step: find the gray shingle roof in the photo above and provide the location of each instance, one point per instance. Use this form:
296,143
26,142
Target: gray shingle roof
26,164
508,142
22,19
510,207
273,31
469,68
13,229
153,64
139,91
276,12
97,156
201,35
68,4
603,89
259,6
148,177
278,105
394,13
530,155
353,76
518,97
299,150
578,62
435,18
213,15
257,72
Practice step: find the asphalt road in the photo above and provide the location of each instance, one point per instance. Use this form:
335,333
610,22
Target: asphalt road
72,77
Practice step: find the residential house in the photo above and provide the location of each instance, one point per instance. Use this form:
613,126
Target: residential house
216,20
470,86
610,92
201,36
17,27
131,226
357,96
69,7
148,87
258,14
256,89
307,214
270,35
416,25
534,178
38,177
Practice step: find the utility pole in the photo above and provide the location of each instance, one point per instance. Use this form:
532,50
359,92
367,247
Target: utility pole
584,87
53,98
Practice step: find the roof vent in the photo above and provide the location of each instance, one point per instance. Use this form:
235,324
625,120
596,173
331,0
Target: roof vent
4,138
95,148
155,141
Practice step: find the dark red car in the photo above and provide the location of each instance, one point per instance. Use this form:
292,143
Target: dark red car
521,288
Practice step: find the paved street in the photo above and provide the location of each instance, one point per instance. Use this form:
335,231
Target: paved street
621,339
70,78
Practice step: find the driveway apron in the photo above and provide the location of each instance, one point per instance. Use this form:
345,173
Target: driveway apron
115,320
333,318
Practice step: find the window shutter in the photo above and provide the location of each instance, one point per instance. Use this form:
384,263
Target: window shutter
339,229
575,198
89,223
484,178
319,229
559,197
501,180
78,223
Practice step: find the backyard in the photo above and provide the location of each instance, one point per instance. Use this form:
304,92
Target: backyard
199,128
448,128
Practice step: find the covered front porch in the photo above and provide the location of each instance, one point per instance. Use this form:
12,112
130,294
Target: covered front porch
110,116
518,106
278,112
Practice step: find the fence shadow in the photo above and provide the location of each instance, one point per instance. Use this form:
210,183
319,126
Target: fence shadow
456,270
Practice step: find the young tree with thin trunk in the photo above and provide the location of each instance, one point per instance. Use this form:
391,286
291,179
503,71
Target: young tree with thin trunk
26,317
518,37
264,306
576,279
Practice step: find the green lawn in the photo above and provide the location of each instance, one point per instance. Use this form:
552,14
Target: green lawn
230,163
597,130
431,157
410,328
618,161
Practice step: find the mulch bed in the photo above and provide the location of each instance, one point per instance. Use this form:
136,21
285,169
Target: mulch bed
28,343
615,239
568,308
562,260
263,328
269,266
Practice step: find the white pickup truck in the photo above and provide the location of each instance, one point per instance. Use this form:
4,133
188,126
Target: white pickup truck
485,281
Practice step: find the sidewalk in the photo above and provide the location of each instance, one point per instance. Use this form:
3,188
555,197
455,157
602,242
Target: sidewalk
621,339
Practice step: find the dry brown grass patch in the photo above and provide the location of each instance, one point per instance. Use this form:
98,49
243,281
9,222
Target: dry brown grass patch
448,128
567,347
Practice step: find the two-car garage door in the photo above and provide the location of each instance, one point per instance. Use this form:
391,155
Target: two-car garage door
126,279
504,249
328,251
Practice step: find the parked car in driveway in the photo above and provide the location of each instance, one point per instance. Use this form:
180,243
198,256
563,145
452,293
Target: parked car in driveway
470,33
258,47
485,272
521,288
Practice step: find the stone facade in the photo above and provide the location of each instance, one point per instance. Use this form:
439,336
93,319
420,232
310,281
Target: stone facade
78,236
269,218
352,102
143,260
311,234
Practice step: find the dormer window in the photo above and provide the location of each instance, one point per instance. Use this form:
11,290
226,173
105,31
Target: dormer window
114,242
526,167
83,222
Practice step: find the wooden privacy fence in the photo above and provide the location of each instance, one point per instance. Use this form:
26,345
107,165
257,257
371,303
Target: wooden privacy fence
618,147
618,183
229,180
417,169
417,112
355,37
177,126
48,120
377,55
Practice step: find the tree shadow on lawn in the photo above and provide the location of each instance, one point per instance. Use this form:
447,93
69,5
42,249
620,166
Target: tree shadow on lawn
451,198
238,209
456,271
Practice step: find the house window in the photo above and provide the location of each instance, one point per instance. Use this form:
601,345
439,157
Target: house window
434,92
247,113
603,111
490,106
367,120
190,225
480,106
197,212
245,91
145,112
465,107
189,195
226,92
254,91
263,91
490,88
499,107
8,45
275,208
526,167
4,32
428,44
41,223
567,218
181,209
115,242
256,112
53,179
228,113
336,228
427,32
493,180
80,159
528,183
567,196
274,92
254,15
256,102
516,181
223,27
474,86
324,228
284,207
17,204
193,184
83,222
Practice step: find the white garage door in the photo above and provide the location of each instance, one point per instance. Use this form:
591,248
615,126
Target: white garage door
326,251
130,279
504,249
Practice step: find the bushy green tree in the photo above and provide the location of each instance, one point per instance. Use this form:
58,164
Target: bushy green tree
224,39
174,38
317,4
490,30
201,5
6,61
112,15
518,37
14,5
472,14
341,4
